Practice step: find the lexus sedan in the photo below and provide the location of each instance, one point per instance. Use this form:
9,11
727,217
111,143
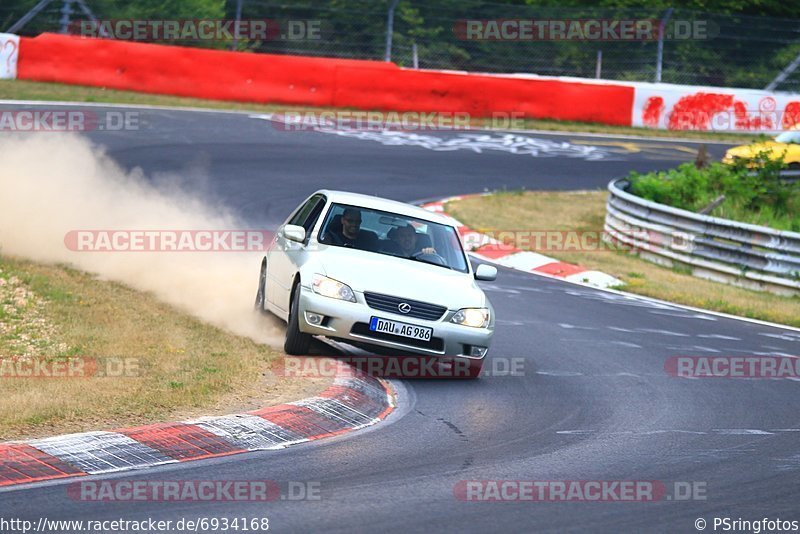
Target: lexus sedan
380,273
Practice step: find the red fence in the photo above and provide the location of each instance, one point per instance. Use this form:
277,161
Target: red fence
263,78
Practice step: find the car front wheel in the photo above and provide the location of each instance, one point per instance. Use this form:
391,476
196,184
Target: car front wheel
262,289
297,342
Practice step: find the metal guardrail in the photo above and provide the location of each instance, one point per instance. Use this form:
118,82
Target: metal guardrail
787,176
755,257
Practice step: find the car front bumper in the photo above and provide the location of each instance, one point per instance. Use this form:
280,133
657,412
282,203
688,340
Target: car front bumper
350,321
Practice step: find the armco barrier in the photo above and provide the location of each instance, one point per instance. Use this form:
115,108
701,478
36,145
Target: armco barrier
687,107
246,77
741,254
183,71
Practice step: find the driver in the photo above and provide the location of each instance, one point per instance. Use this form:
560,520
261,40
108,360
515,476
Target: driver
406,239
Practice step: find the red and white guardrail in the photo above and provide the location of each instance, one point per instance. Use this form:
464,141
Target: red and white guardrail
9,54
361,84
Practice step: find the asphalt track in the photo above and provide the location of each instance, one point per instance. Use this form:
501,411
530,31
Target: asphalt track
593,402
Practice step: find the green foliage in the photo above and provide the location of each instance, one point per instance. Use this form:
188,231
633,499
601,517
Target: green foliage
754,191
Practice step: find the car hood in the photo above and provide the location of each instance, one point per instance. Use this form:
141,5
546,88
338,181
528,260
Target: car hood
379,273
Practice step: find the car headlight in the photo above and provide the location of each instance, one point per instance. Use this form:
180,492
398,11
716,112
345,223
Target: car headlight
475,317
328,287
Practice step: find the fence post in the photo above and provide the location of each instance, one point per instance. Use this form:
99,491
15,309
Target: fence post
599,68
790,68
237,25
28,16
389,30
662,27
66,11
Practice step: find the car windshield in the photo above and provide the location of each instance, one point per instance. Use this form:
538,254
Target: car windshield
392,234
789,137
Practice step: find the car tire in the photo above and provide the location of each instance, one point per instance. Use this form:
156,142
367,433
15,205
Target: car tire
297,342
794,166
261,294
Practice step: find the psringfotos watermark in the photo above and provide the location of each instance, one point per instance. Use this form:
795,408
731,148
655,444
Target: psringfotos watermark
70,367
578,491
407,121
582,29
193,490
733,366
67,120
202,29
756,526
122,240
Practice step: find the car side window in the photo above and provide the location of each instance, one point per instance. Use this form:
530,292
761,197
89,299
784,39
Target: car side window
313,216
302,214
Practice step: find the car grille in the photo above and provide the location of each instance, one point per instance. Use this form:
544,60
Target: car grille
435,343
419,310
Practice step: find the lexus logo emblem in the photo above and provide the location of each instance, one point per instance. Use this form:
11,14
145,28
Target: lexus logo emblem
404,307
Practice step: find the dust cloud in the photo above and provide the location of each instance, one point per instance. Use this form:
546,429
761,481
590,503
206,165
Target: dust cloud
51,185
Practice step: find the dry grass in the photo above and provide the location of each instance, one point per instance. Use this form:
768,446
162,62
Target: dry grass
180,367
25,90
585,211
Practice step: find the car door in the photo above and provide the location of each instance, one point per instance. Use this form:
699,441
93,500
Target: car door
286,256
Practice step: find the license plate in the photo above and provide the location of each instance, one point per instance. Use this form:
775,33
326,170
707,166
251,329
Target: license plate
386,326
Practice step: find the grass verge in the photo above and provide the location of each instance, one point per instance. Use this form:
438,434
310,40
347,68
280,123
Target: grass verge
585,212
160,364
26,90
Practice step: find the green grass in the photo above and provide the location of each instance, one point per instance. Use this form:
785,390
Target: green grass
185,367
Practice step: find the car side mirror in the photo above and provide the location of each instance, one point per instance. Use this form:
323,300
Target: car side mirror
292,232
487,273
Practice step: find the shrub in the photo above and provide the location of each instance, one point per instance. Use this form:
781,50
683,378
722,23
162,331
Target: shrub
754,191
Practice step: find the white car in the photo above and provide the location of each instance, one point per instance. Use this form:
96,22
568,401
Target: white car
375,272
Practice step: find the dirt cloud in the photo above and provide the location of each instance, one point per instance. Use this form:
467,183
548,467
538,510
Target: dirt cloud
53,184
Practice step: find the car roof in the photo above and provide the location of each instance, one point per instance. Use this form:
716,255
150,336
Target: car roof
384,204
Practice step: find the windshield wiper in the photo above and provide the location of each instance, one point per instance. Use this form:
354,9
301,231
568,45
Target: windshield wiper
419,258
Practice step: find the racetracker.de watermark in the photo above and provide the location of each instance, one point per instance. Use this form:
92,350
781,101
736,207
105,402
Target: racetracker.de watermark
379,121
193,491
69,367
168,240
577,491
406,366
201,29
489,240
733,367
40,120
636,30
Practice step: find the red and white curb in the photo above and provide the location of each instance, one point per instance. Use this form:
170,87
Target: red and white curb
354,400
489,249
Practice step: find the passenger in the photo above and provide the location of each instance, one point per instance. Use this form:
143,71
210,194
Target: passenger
350,234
